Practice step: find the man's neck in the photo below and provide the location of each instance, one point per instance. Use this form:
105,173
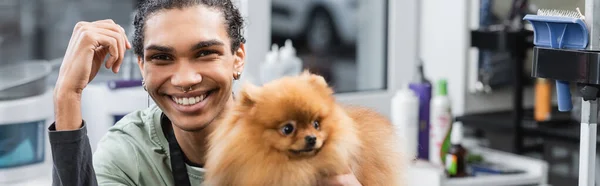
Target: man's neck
194,144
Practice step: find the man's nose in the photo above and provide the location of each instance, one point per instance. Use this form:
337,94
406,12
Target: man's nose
186,76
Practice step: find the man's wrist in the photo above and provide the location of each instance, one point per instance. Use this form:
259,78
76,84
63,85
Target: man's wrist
67,110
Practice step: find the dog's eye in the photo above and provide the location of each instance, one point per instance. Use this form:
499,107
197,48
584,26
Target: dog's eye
287,129
316,124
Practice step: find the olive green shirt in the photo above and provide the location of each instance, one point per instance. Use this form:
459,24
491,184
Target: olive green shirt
135,152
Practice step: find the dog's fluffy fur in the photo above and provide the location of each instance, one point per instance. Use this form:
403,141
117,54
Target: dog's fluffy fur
251,147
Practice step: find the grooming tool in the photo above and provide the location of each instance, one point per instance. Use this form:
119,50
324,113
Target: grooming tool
560,29
543,100
568,50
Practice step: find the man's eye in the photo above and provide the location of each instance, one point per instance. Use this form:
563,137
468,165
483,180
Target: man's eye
204,53
161,57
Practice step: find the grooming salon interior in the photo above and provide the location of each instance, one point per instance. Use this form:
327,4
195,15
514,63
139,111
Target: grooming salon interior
480,92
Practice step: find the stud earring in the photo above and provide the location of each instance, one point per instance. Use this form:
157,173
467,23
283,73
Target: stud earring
237,75
144,85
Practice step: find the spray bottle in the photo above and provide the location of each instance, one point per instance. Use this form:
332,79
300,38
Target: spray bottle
291,65
422,89
268,69
441,124
405,117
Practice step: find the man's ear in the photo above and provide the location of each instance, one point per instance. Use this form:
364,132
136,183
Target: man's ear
140,61
249,94
240,59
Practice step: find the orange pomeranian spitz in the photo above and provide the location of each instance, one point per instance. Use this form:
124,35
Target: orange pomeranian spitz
292,132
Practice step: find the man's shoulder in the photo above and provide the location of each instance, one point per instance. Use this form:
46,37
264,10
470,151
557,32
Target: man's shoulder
129,146
138,125
136,131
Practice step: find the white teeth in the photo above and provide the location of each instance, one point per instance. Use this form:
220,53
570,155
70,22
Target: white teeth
189,100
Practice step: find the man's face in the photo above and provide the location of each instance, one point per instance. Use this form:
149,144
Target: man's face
186,48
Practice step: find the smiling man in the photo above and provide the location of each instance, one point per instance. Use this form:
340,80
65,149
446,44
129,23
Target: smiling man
189,53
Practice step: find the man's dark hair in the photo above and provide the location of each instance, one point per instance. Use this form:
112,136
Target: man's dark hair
233,20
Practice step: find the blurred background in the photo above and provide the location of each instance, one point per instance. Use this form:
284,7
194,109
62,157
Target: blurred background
366,50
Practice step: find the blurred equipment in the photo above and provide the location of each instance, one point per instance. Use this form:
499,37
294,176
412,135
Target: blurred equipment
495,65
105,103
322,24
25,113
543,100
562,53
23,79
16,31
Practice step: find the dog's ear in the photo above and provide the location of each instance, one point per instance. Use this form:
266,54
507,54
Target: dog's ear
249,94
305,73
317,80
314,78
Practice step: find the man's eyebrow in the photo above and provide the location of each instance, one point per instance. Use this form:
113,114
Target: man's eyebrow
209,43
160,48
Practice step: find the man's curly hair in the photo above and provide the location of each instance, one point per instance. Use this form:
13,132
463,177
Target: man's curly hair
233,20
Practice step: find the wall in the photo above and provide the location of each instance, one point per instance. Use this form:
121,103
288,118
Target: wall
444,39
258,37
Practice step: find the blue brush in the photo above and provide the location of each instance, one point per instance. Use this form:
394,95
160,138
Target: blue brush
560,29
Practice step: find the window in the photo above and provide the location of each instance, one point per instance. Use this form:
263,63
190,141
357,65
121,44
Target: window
342,40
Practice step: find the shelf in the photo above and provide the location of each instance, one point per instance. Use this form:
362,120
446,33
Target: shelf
502,40
424,173
503,120
568,133
562,127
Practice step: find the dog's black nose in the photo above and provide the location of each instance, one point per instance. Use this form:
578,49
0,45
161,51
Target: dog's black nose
310,141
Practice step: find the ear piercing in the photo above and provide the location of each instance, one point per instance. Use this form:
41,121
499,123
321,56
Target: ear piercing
237,75
144,85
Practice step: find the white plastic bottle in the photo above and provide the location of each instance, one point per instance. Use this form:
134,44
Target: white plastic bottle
440,124
292,64
269,69
405,117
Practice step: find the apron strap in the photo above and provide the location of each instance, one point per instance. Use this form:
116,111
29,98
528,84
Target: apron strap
179,169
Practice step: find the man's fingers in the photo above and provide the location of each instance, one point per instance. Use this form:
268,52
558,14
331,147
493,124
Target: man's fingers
127,43
119,46
114,31
117,28
105,21
107,42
